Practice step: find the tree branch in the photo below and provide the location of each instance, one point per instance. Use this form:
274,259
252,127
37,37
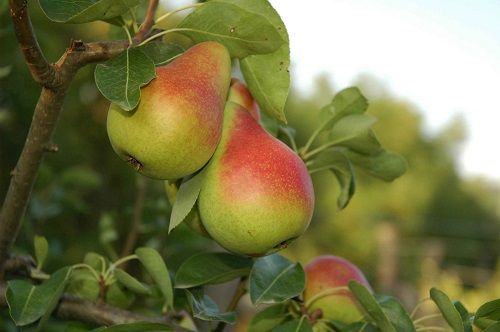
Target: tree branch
43,73
148,23
55,80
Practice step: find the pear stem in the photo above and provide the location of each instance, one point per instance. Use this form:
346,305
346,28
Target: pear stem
164,16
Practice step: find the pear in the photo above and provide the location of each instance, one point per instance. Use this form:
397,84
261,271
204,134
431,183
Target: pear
327,278
175,129
239,94
256,195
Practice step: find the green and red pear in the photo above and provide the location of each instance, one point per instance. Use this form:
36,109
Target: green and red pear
239,94
256,195
177,125
326,288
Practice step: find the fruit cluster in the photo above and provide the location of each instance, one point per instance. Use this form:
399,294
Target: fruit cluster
256,194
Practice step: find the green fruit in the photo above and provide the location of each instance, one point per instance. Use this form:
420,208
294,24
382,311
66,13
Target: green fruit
327,279
256,195
176,127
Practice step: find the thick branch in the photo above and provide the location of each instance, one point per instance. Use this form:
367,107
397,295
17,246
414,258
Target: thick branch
43,125
43,73
148,23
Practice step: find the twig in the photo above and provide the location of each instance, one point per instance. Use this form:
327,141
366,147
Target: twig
43,73
238,294
133,234
148,23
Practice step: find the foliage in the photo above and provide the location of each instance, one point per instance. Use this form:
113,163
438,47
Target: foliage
78,200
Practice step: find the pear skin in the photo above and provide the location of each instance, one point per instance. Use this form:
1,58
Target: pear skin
239,94
177,125
256,195
325,274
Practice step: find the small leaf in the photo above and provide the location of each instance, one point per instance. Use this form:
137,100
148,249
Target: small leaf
130,282
447,308
119,297
41,250
274,278
466,316
83,284
368,302
95,260
27,303
350,126
120,78
296,325
385,165
396,313
160,52
241,31
135,327
82,11
339,164
365,143
268,318
346,102
211,268
156,267
487,314
205,308
107,230
185,199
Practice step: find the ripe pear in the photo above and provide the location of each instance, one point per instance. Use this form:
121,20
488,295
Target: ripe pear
175,129
239,94
256,195
324,275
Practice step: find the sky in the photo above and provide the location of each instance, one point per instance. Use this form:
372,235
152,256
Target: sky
442,56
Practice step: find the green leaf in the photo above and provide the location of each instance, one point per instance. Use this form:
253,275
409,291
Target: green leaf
350,126
241,31
447,309
130,282
83,284
161,52
385,165
346,102
156,267
487,314
120,78
495,327
341,167
41,250
365,143
296,325
82,11
205,308
368,302
396,313
274,278
119,297
267,75
185,199
135,327
27,303
466,316
211,268
268,318
96,261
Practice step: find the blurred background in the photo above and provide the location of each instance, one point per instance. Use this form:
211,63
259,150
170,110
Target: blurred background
431,72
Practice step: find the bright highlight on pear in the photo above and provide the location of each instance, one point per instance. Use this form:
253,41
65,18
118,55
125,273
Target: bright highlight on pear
176,127
325,275
257,194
